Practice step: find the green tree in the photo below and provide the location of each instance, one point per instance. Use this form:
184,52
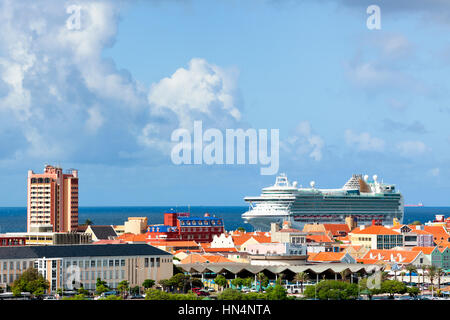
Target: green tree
221,281
148,283
101,286
301,277
237,282
135,290
332,290
83,291
76,297
111,297
230,294
392,287
276,293
263,280
88,222
30,281
431,272
413,291
416,223
411,269
241,229
154,294
123,287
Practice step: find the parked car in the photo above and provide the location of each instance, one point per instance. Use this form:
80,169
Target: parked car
50,298
200,292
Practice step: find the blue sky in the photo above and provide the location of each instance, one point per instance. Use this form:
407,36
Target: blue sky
105,98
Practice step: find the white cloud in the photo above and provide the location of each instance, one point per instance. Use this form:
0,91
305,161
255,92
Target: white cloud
412,148
435,172
304,141
364,141
201,90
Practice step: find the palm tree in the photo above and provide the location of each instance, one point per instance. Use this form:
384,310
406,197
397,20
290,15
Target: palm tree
343,274
260,277
432,271
439,274
301,277
403,273
411,268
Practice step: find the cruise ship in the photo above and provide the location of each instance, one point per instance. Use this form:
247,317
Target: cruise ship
363,199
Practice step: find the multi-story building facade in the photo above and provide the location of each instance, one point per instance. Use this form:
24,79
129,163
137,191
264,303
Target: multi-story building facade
376,237
52,200
181,226
9,240
83,264
50,238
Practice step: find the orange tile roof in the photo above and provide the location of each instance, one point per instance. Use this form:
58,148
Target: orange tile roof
336,228
241,239
373,229
319,238
198,258
131,237
437,231
425,250
117,241
220,249
175,243
326,256
399,256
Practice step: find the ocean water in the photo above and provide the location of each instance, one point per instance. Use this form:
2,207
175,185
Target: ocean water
15,219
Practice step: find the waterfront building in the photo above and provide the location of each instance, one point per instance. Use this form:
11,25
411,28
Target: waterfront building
398,257
85,263
101,232
181,226
440,233
52,238
52,203
286,234
376,237
135,225
276,248
333,229
10,240
415,236
242,240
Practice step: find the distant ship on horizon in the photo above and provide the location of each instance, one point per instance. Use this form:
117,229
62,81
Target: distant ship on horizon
420,204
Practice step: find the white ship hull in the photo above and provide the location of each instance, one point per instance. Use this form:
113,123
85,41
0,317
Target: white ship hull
284,202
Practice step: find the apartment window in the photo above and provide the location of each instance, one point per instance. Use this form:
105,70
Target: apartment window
81,264
92,263
157,262
146,263
122,262
99,263
11,265
93,275
116,263
74,263
67,264
104,274
117,274
17,265
111,263
152,262
87,275
24,265
11,278
105,263
110,274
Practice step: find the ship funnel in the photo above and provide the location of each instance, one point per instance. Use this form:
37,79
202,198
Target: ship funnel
312,184
366,177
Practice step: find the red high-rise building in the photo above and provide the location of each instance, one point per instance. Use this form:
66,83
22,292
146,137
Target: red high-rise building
52,200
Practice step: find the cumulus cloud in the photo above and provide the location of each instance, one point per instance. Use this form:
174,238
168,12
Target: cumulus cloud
435,172
305,141
201,90
412,148
363,141
61,99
